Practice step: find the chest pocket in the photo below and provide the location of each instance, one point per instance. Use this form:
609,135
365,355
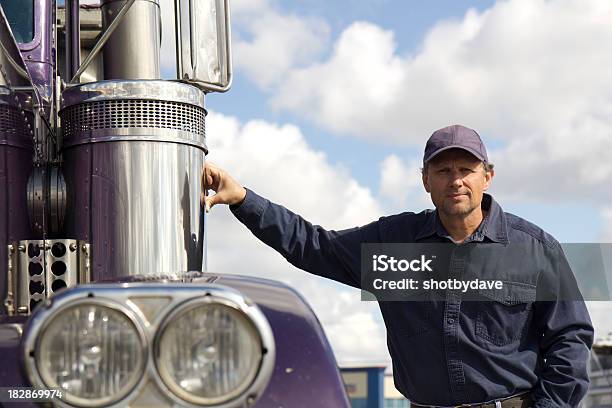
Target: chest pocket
504,315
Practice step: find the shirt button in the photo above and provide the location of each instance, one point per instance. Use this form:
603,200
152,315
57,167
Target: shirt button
450,321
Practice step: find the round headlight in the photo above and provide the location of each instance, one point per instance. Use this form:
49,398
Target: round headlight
93,351
208,351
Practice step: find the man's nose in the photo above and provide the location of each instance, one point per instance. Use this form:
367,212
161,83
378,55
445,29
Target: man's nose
456,179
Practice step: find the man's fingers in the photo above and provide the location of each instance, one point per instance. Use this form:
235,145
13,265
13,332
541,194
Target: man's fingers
211,201
207,204
210,178
227,190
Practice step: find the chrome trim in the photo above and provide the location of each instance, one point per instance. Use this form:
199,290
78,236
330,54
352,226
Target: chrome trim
138,135
38,270
84,263
177,38
9,301
102,40
43,318
251,316
192,40
132,89
171,296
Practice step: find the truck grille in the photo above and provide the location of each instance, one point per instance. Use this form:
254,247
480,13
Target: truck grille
133,113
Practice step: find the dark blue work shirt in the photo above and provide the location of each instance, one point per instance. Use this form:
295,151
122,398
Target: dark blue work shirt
446,351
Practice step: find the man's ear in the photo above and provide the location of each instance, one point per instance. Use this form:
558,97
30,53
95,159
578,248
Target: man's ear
488,178
425,181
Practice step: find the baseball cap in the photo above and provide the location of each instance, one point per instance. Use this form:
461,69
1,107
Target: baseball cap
455,137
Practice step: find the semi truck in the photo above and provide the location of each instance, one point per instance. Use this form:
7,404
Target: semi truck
106,295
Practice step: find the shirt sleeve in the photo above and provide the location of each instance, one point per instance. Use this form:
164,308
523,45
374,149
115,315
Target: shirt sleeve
332,254
566,338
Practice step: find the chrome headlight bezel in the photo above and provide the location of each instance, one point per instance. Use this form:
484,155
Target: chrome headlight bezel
256,323
45,317
133,300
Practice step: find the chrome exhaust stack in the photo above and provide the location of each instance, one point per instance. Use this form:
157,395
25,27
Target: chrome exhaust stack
133,153
132,50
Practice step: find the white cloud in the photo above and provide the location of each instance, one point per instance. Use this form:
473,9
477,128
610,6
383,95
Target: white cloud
276,162
241,6
530,73
267,43
353,88
600,315
400,181
519,66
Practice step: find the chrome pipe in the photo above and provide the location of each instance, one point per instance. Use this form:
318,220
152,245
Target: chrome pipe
102,41
73,37
133,49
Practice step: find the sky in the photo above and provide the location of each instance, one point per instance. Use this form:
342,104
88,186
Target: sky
332,102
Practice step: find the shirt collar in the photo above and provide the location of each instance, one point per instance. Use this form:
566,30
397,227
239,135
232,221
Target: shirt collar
493,226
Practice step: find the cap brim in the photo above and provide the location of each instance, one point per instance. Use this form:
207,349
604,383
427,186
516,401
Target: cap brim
467,149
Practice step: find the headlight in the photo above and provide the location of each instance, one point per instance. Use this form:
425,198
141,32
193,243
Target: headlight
208,351
212,346
93,350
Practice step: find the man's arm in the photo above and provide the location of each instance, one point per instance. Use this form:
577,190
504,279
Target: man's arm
331,254
566,338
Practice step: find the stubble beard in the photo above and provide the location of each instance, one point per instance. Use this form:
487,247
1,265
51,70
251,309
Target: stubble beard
463,210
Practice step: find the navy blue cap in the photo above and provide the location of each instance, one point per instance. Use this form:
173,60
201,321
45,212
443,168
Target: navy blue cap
455,137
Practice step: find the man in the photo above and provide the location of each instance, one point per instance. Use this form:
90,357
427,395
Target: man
512,351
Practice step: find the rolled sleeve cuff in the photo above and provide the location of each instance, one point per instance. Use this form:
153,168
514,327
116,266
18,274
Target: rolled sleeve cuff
251,208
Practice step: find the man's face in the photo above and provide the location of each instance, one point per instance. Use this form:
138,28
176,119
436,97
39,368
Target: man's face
456,181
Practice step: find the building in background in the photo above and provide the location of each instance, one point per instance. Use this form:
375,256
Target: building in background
600,373
369,386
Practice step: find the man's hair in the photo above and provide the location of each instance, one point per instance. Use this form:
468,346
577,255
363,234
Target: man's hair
487,167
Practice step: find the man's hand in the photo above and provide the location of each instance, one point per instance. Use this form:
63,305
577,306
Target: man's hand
228,191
